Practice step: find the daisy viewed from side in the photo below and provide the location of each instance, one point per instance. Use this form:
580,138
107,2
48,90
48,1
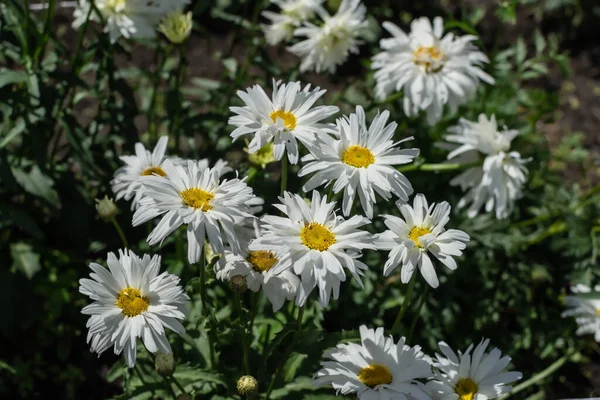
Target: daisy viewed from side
195,196
360,159
418,234
327,46
285,118
377,368
584,305
499,181
131,300
292,14
321,244
471,376
433,69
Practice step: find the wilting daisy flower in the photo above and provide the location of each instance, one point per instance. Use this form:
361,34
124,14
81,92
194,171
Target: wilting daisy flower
433,69
496,184
421,233
285,118
377,368
195,196
329,45
585,307
361,160
127,180
476,376
127,18
131,300
293,12
320,243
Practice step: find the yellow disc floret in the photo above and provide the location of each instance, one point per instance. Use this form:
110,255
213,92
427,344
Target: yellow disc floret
358,156
429,57
262,260
375,374
131,302
316,236
289,119
466,388
416,232
154,170
115,5
197,198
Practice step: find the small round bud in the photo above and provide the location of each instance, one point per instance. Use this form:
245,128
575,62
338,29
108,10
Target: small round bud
176,26
238,283
247,385
263,156
164,364
106,208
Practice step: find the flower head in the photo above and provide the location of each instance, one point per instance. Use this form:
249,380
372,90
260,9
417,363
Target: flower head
131,300
106,208
176,26
377,368
360,160
421,233
471,376
329,45
293,13
433,69
285,118
584,305
320,243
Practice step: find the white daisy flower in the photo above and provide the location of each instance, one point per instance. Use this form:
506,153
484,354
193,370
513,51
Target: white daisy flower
361,160
131,300
285,118
329,45
584,305
320,243
293,13
476,376
194,196
377,368
127,18
499,182
433,69
421,233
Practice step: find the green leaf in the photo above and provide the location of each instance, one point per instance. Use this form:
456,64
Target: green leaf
36,183
7,367
18,127
8,77
540,42
25,259
292,364
521,51
11,215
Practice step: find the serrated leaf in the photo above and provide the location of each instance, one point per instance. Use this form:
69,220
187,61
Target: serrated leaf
25,259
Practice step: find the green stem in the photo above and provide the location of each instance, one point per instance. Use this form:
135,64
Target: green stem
152,129
178,384
179,77
416,317
436,167
284,173
203,297
80,36
242,321
404,306
120,232
286,355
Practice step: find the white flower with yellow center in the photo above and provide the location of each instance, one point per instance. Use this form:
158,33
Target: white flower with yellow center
293,13
377,368
126,183
360,160
192,195
421,233
320,243
131,300
329,45
499,181
584,305
433,69
127,18
476,376
283,119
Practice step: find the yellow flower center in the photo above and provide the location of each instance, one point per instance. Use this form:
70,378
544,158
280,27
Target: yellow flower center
262,260
115,5
288,118
429,57
154,170
416,232
316,237
197,198
375,374
358,156
131,302
598,312
466,388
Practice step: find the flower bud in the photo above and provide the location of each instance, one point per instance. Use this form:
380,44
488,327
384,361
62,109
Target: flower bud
263,156
164,364
176,26
238,283
106,208
247,385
